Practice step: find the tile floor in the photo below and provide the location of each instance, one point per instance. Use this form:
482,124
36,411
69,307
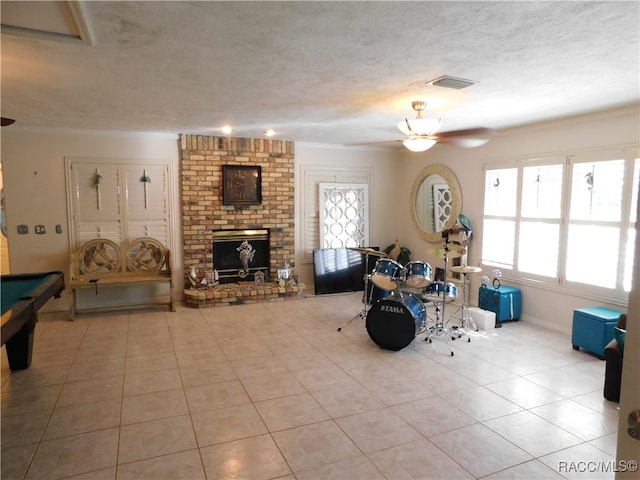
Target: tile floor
272,390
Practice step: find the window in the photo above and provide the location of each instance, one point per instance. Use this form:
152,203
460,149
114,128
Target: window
564,221
309,197
343,215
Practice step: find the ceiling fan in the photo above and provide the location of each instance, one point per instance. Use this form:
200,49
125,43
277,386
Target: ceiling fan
422,132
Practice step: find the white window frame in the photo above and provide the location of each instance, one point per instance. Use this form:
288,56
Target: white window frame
615,295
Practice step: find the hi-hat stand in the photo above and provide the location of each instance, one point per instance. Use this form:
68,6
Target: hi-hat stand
440,326
367,277
462,328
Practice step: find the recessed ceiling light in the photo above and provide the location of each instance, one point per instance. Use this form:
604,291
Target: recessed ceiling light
270,133
226,129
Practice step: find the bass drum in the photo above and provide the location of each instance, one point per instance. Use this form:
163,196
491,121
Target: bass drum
394,321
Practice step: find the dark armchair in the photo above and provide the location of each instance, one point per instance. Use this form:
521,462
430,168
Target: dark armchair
613,354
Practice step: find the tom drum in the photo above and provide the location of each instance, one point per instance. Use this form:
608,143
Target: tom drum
417,274
440,291
386,274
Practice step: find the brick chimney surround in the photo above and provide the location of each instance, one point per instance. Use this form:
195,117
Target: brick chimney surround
202,158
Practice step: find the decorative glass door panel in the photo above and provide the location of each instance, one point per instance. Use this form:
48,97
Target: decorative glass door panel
344,216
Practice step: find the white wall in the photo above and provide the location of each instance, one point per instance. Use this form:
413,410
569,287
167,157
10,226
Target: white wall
35,191
612,128
34,178
384,191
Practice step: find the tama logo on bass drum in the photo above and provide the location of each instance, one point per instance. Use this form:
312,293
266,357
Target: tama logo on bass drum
391,309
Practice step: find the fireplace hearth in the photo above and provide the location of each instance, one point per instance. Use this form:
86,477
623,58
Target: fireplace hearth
239,254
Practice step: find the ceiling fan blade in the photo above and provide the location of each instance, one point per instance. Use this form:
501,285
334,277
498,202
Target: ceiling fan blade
468,138
378,142
5,122
469,132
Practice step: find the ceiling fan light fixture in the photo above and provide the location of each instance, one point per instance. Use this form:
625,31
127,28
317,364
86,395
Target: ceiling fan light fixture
419,126
419,144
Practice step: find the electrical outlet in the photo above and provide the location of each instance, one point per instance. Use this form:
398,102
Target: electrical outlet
23,229
40,229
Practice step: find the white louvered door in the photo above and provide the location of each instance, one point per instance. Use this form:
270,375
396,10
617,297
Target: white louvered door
118,201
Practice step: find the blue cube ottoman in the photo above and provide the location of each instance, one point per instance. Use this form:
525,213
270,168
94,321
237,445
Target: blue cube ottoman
593,328
505,301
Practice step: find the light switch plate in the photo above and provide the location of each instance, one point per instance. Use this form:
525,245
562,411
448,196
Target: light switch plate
40,229
58,228
23,229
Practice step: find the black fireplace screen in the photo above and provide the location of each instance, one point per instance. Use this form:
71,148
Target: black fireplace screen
238,261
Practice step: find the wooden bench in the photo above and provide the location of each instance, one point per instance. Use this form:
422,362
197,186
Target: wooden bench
100,264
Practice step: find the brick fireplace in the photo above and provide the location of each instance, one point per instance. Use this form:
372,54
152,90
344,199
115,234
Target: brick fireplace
203,211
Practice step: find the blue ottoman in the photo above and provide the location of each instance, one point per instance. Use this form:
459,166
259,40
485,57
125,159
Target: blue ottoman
505,301
593,328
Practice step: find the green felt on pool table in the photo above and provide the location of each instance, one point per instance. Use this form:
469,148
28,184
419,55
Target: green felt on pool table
15,287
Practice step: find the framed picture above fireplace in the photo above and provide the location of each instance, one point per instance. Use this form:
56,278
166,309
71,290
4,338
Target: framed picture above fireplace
242,184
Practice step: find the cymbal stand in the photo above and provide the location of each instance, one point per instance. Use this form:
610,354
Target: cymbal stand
367,301
440,326
463,328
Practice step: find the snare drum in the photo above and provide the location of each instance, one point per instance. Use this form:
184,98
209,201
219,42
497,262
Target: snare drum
386,273
418,274
440,291
394,321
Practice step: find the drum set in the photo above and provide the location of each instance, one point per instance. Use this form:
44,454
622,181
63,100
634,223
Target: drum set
397,297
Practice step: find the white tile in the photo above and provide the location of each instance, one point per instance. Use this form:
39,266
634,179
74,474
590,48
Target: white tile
378,429
273,390
67,456
313,446
582,461
418,460
187,465
532,434
254,458
140,441
479,450
580,421
291,411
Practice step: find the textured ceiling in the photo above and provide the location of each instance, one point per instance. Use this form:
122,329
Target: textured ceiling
323,72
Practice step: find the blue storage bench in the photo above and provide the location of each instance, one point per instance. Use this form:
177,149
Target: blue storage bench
505,301
593,328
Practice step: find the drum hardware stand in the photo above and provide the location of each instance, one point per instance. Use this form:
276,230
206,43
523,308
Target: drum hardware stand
463,328
440,325
363,314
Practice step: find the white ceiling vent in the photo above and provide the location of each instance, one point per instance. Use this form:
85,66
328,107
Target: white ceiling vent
451,82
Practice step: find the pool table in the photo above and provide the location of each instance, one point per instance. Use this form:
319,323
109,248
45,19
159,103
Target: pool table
22,296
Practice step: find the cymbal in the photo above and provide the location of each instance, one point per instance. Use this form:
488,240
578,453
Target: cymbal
368,251
455,251
465,269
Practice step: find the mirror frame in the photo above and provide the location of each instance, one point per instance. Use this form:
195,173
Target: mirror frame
456,204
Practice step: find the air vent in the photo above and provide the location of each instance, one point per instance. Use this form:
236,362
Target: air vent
451,82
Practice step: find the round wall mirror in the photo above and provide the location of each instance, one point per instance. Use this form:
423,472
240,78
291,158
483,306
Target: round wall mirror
436,201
